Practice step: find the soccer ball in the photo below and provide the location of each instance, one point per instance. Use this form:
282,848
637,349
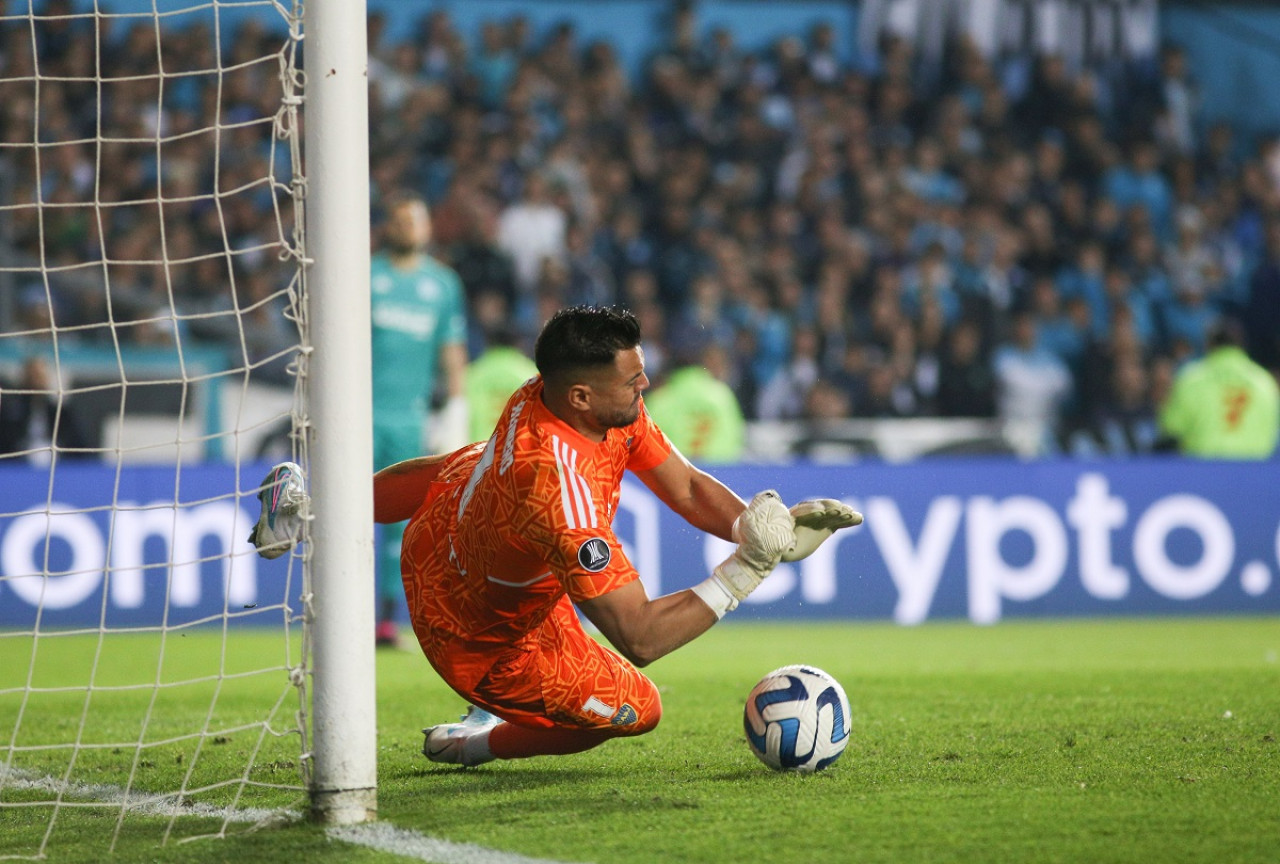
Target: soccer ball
797,719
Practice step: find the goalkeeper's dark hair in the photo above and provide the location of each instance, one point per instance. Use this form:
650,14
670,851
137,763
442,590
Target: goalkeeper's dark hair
583,337
399,199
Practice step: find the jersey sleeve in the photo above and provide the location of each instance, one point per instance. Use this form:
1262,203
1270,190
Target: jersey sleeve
566,527
650,445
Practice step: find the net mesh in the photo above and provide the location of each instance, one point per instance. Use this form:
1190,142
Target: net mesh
150,342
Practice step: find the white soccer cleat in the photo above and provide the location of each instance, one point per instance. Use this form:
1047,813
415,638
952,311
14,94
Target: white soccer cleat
282,499
447,742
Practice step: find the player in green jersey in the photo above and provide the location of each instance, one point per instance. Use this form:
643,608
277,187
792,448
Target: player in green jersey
419,329
1223,406
699,411
491,379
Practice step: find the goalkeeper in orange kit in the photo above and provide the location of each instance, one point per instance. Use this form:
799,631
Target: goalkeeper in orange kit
506,537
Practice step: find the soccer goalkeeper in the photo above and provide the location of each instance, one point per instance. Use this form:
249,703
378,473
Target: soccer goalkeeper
507,537
418,327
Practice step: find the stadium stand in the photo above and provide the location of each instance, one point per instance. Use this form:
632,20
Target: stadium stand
842,229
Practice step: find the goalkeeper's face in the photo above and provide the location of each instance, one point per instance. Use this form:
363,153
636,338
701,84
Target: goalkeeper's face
615,392
408,228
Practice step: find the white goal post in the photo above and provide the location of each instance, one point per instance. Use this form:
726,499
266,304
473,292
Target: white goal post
343,786
181,305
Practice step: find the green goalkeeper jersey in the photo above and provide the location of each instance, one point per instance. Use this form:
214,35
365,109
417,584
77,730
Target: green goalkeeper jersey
1223,406
415,312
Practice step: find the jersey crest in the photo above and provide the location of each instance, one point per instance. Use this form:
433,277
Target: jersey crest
594,555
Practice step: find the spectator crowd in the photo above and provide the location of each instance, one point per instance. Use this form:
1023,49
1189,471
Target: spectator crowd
1005,237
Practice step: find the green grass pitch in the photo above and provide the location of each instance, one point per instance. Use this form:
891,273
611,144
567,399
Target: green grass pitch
1071,741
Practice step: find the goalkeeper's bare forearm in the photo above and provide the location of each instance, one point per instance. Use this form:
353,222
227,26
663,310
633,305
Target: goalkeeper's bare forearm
399,489
702,500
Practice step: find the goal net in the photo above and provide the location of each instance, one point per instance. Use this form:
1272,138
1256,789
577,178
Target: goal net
153,669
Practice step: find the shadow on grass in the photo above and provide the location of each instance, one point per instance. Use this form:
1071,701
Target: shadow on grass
511,778
506,778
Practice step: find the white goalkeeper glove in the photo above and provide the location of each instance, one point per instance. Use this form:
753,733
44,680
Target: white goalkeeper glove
284,503
763,531
450,426
816,520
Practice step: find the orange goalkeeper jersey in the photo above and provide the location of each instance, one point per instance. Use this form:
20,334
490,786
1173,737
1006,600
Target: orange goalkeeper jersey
508,529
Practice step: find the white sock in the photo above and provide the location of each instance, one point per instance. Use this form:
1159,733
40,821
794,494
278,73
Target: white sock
475,749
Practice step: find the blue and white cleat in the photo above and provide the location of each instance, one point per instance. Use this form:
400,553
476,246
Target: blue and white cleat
447,742
283,500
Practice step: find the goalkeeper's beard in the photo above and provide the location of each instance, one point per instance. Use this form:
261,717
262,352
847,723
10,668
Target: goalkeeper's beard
401,251
620,418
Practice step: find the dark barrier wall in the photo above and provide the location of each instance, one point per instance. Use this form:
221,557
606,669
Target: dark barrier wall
1234,56
981,539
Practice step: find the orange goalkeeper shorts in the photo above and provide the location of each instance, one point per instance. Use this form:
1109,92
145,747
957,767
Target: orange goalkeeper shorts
560,678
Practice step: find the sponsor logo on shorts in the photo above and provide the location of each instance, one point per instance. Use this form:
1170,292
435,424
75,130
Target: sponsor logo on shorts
625,716
594,554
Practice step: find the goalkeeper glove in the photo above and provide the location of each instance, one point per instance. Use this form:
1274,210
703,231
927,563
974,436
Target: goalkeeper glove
284,501
763,531
816,520
449,426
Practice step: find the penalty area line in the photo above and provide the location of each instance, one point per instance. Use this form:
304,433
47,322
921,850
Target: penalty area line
411,844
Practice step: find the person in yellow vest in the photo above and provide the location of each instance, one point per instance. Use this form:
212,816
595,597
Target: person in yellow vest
699,411
491,379
1224,405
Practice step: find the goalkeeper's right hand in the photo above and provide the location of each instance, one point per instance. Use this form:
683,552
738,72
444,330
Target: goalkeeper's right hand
760,529
284,503
764,531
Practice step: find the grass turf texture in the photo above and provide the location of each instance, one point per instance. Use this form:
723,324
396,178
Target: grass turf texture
1109,740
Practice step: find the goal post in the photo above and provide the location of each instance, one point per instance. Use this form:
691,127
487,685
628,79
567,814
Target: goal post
190,300
344,778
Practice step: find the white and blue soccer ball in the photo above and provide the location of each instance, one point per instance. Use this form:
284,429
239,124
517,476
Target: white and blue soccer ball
797,719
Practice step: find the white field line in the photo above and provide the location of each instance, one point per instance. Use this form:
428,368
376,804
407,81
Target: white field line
138,802
380,835
411,844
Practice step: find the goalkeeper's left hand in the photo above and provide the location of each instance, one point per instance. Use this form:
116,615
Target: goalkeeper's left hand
816,520
449,427
284,503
